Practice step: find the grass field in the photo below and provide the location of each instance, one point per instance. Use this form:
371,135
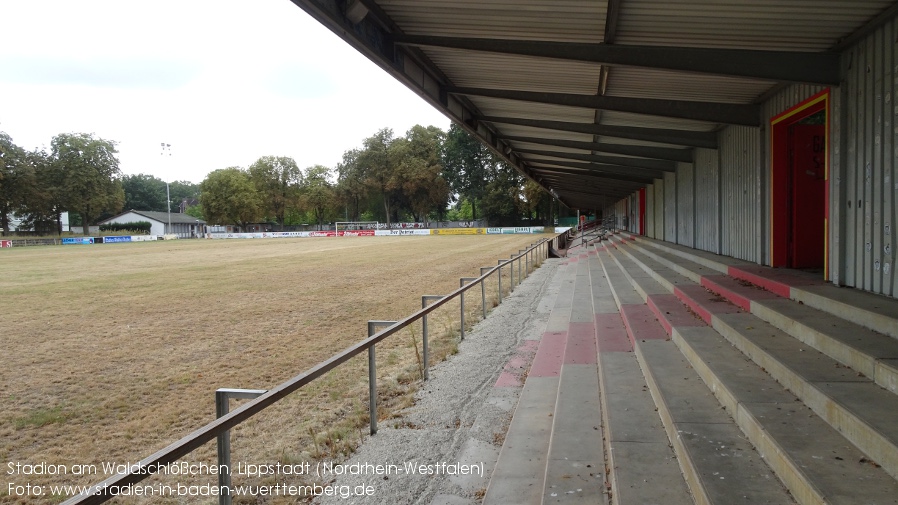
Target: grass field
110,352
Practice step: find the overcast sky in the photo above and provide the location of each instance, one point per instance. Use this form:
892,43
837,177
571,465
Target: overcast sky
223,81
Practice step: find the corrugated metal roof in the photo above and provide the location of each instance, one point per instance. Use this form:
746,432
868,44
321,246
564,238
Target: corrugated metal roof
502,71
653,83
757,24
560,20
569,99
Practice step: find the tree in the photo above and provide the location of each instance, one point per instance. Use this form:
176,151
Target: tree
533,196
144,192
378,164
318,192
90,175
351,189
419,170
178,191
44,203
229,196
465,164
16,179
278,180
502,200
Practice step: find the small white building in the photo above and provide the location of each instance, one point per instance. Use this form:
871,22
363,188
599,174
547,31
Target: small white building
182,225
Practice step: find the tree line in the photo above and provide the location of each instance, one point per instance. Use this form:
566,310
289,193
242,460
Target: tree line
426,175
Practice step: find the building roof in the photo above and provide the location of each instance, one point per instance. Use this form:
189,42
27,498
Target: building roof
594,100
162,217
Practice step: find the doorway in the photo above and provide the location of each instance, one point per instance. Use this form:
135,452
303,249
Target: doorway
800,186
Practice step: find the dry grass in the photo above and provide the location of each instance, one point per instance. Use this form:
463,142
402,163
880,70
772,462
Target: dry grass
111,352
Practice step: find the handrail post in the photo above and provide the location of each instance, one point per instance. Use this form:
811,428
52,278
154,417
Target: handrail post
426,346
461,283
520,257
222,407
372,374
483,290
499,270
511,272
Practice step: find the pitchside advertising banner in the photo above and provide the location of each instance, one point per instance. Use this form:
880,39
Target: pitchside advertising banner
382,233
458,231
5,243
516,230
78,240
113,240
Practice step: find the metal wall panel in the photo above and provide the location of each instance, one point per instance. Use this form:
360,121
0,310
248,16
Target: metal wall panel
686,204
868,198
670,207
740,180
650,211
659,209
707,201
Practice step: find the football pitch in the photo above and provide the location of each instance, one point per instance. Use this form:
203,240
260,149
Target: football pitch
111,352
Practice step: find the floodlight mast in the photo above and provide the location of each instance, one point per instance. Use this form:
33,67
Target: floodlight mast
167,147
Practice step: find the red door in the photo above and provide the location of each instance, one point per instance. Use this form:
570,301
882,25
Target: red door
807,188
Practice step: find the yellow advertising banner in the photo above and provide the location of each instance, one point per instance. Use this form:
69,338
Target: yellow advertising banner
458,231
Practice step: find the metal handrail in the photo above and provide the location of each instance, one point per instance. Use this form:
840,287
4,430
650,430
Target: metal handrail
101,492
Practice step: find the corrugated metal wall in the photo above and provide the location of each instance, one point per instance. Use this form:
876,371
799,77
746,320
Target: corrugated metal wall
732,217
670,207
868,164
740,183
707,200
659,209
685,204
650,210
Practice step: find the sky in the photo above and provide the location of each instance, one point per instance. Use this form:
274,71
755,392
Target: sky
223,82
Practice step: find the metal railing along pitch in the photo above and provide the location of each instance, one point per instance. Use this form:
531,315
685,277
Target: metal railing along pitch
219,428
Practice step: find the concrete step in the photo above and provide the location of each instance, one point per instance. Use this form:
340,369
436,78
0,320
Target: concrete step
846,398
576,460
642,467
553,451
719,465
869,352
519,474
876,312
818,460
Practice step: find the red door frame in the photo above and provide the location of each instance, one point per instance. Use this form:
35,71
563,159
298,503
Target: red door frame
779,164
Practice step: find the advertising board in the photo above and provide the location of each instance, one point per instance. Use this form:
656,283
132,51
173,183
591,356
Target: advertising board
78,240
458,231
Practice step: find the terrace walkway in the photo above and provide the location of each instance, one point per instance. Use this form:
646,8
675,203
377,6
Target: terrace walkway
669,375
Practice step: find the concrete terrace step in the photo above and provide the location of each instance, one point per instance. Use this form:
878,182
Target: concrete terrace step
869,352
719,465
642,468
552,451
815,461
575,466
845,397
878,313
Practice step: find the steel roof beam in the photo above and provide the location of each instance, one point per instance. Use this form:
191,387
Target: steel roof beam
592,174
593,163
788,66
600,193
616,161
663,136
660,153
723,113
565,180
609,185
627,173
637,172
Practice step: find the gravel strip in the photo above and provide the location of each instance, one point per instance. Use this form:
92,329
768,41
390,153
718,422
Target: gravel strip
459,417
